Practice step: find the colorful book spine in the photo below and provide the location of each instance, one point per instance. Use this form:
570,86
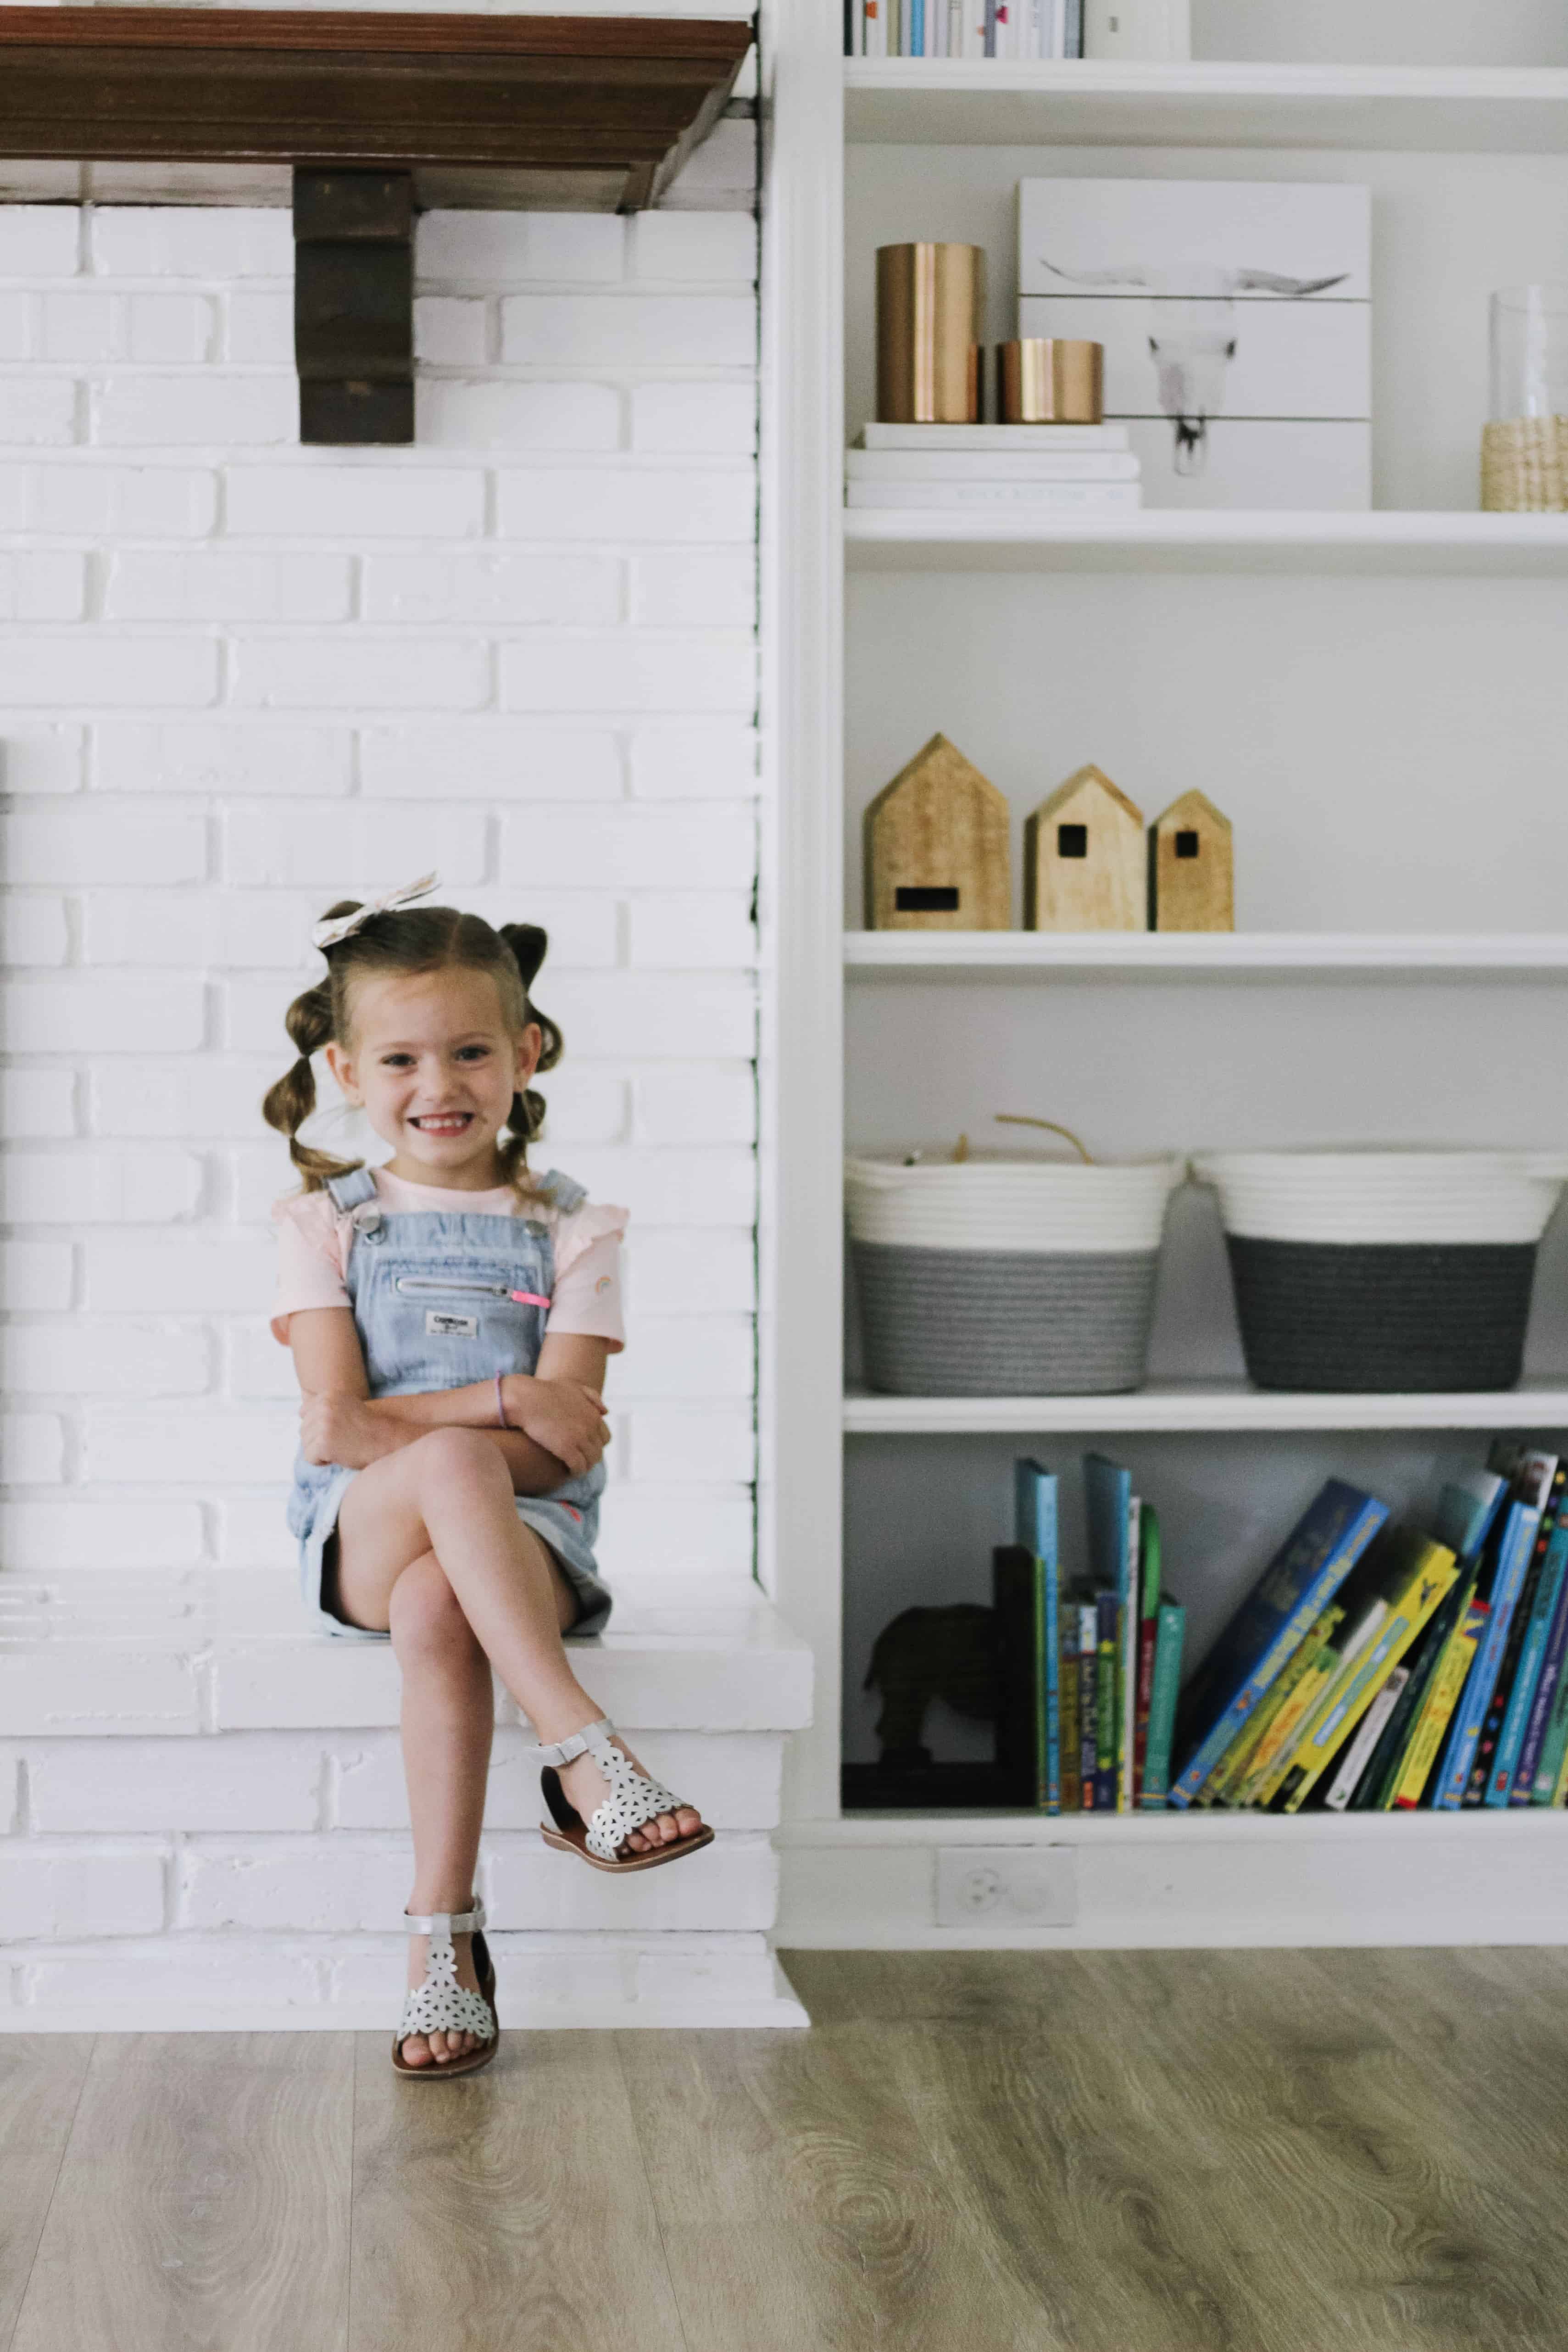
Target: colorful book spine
1551,1661
1148,1630
1170,1634
1071,1774
1267,1778
1088,1700
1441,1705
1358,1757
1517,1543
1376,1791
1257,1739
1483,1763
1554,1744
1107,1612
1127,1605
1532,1658
1432,1574
1301,1581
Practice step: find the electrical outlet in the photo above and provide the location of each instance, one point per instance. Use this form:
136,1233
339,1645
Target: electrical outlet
1007,1886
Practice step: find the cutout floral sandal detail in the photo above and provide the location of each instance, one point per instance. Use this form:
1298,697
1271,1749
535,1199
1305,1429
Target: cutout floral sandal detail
634,1802
441,2005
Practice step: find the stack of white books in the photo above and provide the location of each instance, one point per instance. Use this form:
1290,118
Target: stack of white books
1022,472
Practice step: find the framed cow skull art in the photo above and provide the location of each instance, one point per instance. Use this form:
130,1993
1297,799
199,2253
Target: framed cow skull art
1236,319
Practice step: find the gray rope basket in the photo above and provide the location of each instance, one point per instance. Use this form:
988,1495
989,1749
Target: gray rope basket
944,1322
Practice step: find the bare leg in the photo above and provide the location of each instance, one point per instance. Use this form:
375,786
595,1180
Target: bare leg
447,1720
450,1493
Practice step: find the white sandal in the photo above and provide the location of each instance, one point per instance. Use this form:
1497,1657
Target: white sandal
441,2005
634,1802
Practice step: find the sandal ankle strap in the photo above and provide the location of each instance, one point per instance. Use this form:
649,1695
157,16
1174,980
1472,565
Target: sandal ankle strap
576,1744
446,1923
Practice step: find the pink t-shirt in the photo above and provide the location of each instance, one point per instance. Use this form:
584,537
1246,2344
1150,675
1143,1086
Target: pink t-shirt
314,1239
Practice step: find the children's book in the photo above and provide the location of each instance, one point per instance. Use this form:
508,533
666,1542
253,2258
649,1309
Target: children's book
1107,1609
1554,1745
1362,1610
1484,1762
1072,1775
1418,1764
1148,1626
1301,1579
1359,1754
1170,1632
1261,1736
1034,1501
1128,1658
1088,1701
1508,1554
1263,1783
1533,1747
1109,1504
1375,1791
1521,1708
1465,1514
1415,1575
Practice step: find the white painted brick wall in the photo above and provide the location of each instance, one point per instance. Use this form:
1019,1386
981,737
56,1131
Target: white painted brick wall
239,678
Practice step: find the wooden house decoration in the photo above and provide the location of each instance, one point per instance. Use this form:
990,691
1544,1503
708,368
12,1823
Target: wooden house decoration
1084,859
936,848
1192,885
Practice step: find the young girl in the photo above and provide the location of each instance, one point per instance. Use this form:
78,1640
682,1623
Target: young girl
450,1317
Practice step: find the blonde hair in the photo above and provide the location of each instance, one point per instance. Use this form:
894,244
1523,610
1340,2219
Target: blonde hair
410,941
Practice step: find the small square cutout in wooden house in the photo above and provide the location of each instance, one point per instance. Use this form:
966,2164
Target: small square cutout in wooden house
1192,885
1083,859
936,848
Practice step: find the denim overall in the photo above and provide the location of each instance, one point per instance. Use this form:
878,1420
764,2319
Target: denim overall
442,1298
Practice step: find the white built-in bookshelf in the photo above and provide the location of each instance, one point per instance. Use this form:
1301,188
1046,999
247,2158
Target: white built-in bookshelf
1375,700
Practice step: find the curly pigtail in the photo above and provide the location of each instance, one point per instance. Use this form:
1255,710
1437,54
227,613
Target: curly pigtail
288,1104
529,944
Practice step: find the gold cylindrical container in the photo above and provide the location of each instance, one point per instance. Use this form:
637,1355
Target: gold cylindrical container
1043,379
930,300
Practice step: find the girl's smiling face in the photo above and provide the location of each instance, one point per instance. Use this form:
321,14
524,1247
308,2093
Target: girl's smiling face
434,1066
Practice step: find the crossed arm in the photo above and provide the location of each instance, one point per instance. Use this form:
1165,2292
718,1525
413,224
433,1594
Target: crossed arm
556,1416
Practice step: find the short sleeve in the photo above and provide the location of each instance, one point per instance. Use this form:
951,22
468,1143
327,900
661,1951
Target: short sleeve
310,1270
587,1299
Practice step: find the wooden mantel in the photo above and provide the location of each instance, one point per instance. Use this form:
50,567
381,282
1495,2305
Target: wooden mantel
378,114
565,112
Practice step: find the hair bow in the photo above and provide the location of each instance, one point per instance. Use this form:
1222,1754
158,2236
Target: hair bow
343,927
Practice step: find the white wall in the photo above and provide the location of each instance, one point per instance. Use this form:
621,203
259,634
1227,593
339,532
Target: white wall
238,679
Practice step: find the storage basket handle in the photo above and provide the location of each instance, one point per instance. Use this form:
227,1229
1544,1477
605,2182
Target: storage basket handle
1020,1118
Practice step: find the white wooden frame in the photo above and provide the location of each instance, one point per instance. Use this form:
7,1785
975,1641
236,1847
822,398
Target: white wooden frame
868,1880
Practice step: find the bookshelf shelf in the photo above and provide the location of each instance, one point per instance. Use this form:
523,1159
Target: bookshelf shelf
947,103
1137,955
1163,538
1016,1826
1197,1405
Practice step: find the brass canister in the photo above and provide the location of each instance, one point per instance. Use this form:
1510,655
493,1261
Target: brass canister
930,302
1043,379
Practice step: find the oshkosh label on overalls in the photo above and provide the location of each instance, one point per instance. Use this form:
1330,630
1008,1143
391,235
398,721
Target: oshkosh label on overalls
441,1325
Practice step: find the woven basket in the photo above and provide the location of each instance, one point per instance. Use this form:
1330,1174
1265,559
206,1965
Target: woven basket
1384,1271
1007,1274
1524,466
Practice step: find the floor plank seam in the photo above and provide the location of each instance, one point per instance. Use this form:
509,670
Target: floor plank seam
652,2192
66,2138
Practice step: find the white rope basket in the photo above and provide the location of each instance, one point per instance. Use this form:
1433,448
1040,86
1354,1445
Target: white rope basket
1385,1195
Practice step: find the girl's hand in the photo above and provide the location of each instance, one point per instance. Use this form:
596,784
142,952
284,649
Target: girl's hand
343,1429
566,1417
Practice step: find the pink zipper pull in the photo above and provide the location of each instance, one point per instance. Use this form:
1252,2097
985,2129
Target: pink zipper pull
527,1298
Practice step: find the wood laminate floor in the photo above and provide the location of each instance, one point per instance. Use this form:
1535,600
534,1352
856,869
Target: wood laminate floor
976,2152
